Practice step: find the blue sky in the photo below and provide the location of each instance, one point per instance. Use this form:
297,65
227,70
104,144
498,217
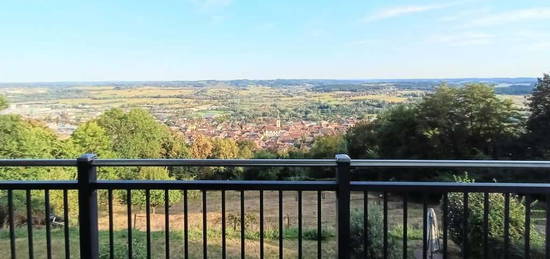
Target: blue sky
97,40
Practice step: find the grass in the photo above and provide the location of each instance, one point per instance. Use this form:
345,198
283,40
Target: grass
309,223
271,219
176,243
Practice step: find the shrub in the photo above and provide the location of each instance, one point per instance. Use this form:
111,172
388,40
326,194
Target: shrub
20,208
375,235
292,233
496,224
235,221
121,248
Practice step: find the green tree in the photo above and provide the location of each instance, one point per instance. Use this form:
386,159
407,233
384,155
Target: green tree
174,146
224,148
468,122
328,146
361,140
246,148
135,134
26,139
91,138
538,123
452,123
21,138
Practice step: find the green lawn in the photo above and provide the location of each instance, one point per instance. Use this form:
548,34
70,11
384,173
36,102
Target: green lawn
176,243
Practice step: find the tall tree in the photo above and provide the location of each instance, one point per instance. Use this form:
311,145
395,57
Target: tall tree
467,122
246,148
452,123
328,146
361,140
538,123
135,134
21,138
224,148
91,138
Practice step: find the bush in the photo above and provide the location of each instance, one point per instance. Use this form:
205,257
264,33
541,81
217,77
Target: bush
307,234
496,224
121,248
20,208
375,235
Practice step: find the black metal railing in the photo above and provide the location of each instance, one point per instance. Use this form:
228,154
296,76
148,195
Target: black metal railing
87,186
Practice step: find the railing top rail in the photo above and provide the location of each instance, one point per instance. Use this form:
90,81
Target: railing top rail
247,185
449,163
450,187
218,162
176,162
357,163
38,162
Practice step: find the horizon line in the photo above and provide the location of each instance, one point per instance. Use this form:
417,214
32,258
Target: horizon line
271,79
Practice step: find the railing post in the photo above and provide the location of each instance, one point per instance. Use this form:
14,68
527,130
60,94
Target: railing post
87,207
343,205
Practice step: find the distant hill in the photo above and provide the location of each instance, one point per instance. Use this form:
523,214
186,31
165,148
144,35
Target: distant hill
514,86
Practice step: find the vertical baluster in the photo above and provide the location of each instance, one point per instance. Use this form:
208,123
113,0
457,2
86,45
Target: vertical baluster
281,234
465,227
29,224
547,232
223,225
261,224
166,224
242,226
319,229
424,226
486,225
506,223
299,224
12,224
204,226
185,226
365,224
148,221
385,220
527,235
111,224
48,226
405,218
445,223
129,206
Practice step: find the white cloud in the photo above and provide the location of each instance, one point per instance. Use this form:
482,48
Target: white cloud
464,39
401,11
512,17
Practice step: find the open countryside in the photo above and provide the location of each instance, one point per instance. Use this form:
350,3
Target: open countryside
274,114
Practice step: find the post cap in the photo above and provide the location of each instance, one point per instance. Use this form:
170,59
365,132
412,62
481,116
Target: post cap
342,158
86,158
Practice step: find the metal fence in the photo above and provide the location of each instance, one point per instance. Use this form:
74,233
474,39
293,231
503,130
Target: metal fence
87,186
